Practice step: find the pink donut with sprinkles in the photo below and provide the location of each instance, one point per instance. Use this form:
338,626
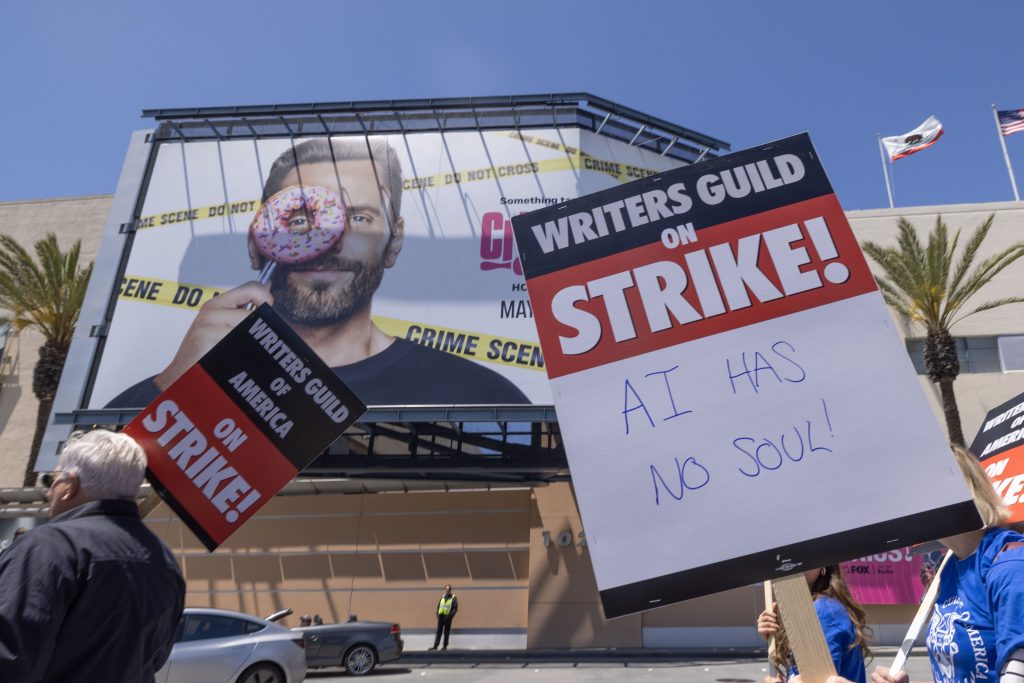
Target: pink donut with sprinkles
298,224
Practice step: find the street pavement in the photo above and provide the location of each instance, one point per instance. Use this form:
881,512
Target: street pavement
605,666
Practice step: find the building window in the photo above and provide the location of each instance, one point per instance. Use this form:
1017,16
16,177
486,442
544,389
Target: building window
976,354
5,330
1011,352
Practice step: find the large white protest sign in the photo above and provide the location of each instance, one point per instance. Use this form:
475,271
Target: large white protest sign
735,401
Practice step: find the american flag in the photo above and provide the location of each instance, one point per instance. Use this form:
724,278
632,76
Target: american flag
1011,121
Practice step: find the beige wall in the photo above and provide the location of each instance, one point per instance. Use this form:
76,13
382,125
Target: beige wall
70,219
565,609
381,556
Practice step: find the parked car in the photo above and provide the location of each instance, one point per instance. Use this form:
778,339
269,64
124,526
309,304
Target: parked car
358,646
218,646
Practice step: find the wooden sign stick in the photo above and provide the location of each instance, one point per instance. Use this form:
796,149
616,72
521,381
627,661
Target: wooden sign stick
149,503
768,599
923,612
803,629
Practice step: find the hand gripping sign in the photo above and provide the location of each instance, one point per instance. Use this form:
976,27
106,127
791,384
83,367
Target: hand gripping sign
735,401
240,424
1000,446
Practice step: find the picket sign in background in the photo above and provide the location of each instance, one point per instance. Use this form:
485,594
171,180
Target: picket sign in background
735,401
238,425
1000,445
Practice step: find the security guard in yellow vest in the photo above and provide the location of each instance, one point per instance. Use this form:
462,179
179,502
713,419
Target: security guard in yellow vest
447,606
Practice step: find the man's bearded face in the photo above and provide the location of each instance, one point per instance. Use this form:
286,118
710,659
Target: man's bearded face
334,286
325,302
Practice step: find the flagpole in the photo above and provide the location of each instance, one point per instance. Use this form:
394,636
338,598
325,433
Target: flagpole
1006,156
888,188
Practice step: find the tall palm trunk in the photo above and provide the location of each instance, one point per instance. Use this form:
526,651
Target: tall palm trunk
45,378
952,412
943,367
42,419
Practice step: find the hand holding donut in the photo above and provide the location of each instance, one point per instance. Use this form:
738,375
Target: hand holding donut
215,319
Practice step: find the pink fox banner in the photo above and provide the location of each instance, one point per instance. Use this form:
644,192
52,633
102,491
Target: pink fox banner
892,578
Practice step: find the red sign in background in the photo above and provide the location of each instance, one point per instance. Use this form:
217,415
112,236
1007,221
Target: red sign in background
1006,470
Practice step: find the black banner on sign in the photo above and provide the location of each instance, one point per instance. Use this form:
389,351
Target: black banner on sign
1002,430
294,398
684,200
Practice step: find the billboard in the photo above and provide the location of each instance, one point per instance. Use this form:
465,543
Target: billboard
422,301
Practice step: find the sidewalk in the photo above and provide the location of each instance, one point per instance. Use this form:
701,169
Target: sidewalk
623,655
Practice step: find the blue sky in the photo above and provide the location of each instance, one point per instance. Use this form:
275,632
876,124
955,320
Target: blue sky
77,75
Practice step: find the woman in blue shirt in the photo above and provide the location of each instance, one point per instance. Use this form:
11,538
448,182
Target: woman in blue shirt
842,621
977,628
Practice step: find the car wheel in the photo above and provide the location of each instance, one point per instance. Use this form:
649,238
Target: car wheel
264,672
360,660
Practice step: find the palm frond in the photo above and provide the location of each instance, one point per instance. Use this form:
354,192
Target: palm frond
45,292
989,305
981,276
970,252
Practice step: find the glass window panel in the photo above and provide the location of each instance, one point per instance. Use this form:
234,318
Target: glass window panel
1011,352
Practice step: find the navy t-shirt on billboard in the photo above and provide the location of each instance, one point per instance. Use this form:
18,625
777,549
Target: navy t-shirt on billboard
405,373
979,612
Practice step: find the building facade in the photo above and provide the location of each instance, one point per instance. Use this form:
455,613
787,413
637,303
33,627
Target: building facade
514,549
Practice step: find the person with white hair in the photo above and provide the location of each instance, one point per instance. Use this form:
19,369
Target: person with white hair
93,595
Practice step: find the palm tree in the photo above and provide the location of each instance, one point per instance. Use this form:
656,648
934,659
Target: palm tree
44,293
922,284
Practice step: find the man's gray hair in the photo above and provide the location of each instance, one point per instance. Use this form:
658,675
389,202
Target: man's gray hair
108,464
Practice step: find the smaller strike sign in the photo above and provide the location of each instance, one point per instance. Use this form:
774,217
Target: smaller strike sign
1000,445
240,424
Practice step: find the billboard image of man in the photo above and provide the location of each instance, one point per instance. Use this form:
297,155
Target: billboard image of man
328,300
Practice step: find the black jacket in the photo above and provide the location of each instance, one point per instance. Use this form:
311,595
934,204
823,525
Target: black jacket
91,596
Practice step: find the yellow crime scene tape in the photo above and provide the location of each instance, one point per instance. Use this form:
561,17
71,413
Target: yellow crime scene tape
575,160
624,173
164,292
479,346
198,213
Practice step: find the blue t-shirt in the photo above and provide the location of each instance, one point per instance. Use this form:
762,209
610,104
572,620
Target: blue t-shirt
840,636
978,619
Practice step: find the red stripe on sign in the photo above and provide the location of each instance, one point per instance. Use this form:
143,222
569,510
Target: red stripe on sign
1006,470
713,280
217,464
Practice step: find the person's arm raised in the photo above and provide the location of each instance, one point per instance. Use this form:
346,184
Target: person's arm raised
215,319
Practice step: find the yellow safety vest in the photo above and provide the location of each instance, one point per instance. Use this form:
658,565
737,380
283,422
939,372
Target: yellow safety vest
444,607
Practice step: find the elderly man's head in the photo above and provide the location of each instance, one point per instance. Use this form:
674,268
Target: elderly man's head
368,179
96,465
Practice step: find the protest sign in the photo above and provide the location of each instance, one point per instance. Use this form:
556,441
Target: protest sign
729,383
1000,446
240,424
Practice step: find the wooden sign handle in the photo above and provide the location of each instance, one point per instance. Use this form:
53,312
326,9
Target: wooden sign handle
923,612
149,503
803,629
768,600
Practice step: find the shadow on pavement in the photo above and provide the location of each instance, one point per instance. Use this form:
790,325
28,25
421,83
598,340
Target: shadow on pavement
378,672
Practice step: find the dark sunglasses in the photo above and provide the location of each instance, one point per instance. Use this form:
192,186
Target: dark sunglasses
48,479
